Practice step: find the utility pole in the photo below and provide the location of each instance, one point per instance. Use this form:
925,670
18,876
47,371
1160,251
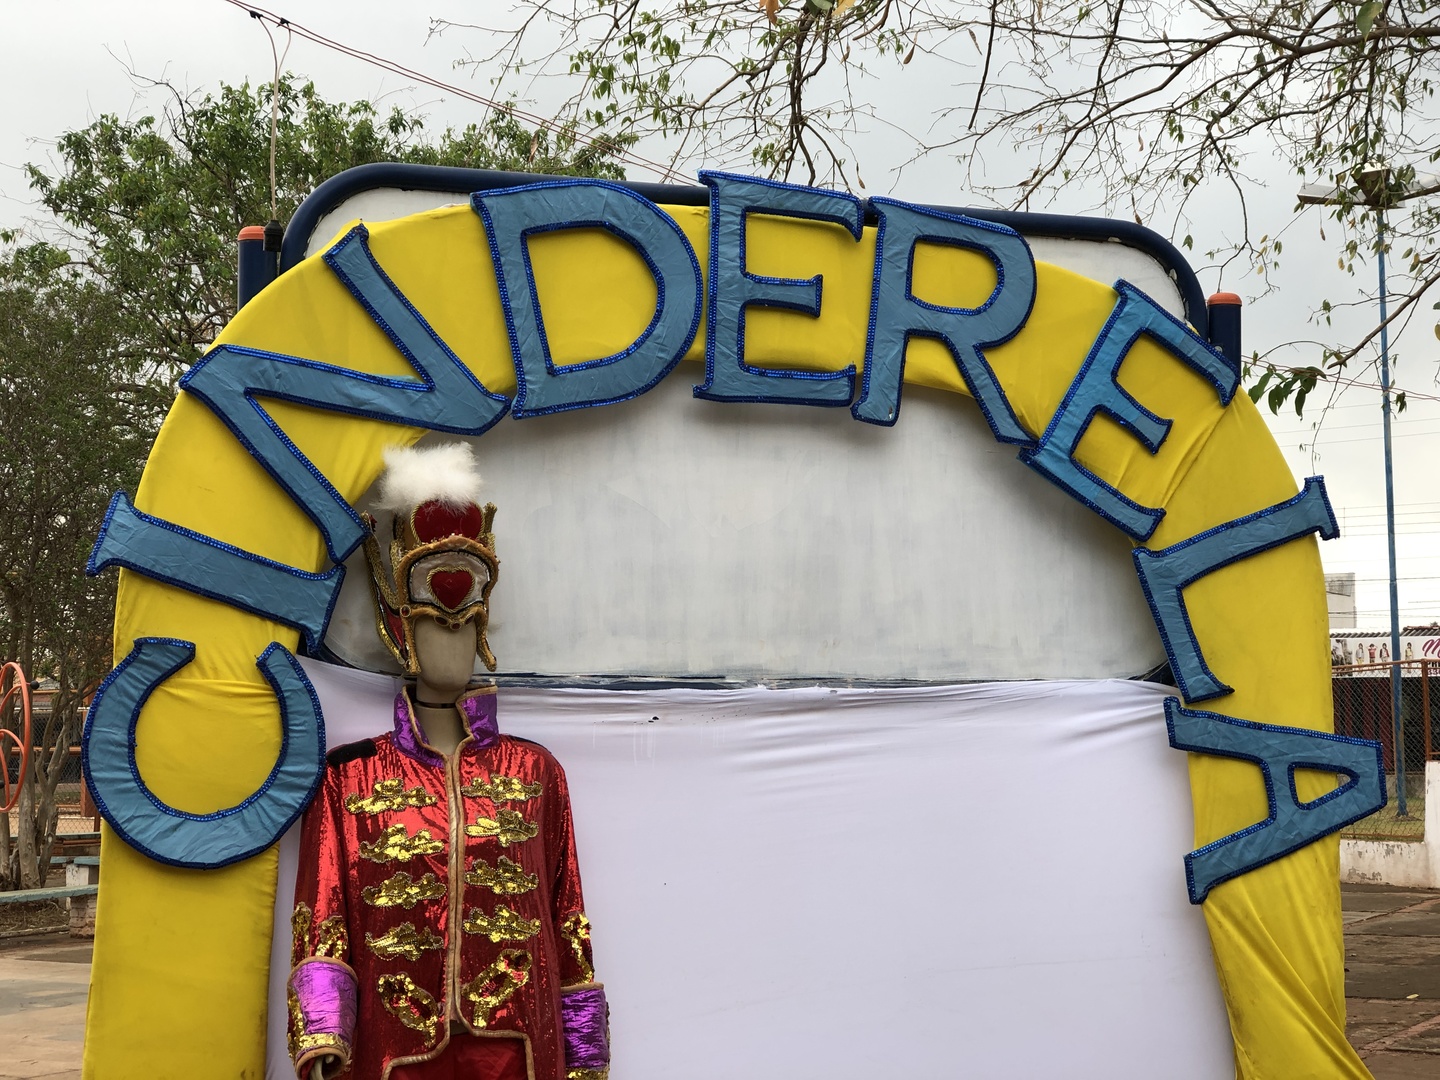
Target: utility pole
1372,188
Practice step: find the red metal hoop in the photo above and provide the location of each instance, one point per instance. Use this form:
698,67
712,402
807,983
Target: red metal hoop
12,674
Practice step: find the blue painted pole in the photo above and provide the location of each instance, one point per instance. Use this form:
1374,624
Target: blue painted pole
255,265
1224,310
1395,669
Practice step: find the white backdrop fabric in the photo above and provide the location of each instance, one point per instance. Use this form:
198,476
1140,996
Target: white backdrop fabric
979,880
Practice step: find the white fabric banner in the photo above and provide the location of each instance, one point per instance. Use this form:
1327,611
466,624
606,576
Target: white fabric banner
978,880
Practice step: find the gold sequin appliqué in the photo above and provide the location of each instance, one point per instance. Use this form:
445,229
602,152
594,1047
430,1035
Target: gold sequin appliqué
409,1004
395,844
297,1021
331,938
505,878
509,825
301,1041
576,931
502,789
587,1074
404,941
388,795
497,984
504,925
300,933
400,891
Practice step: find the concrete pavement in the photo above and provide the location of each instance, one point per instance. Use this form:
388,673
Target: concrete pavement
1392,979
1392,972
43,985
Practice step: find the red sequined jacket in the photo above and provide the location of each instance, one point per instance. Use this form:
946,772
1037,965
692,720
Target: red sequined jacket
437,893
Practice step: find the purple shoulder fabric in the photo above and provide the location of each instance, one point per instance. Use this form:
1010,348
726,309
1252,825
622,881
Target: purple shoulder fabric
407,736
479,710
586,1020
323,1013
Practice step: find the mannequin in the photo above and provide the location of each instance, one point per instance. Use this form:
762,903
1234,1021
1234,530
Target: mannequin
447,658
439,927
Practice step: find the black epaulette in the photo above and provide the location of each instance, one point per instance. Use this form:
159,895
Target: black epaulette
350,752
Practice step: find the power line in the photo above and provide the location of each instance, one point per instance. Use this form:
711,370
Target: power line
1405,577
665,172
1381,506
1420,511
1363,515
1320,429
1321,442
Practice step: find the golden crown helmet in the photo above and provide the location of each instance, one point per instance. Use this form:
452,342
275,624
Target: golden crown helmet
442,562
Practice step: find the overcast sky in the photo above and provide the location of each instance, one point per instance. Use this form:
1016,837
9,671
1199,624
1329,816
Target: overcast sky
66,64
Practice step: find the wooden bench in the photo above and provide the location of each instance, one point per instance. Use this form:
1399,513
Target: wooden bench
79,899
58,892
65,843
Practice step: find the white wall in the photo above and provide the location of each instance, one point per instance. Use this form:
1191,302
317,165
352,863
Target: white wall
1395,862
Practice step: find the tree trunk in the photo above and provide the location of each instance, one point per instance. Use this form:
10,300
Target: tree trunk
25,834
8,874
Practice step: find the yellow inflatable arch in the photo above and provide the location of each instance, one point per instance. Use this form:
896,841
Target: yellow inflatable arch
180,963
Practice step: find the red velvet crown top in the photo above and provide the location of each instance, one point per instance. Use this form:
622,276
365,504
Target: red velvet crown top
436,520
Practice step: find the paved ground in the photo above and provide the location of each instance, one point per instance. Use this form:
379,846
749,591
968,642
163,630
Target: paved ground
1392,965
43,984
1392,979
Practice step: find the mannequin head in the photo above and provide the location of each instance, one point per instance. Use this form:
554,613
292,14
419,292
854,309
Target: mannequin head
446,658
441,564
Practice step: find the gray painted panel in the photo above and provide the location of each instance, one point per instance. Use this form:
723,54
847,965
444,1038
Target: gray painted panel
669,536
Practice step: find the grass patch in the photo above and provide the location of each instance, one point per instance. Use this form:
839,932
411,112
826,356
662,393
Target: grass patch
38,915
1385,825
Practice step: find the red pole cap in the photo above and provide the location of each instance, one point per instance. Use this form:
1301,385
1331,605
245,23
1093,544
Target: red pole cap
1216,298
257,232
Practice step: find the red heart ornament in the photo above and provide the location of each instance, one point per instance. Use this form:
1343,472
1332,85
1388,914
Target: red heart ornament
451,587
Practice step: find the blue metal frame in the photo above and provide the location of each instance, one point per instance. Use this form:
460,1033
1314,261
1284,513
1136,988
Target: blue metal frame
352,182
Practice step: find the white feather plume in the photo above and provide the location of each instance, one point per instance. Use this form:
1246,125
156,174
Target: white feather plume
446,472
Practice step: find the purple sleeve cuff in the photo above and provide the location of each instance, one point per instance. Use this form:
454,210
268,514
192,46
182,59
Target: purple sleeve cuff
586,1019
322,1010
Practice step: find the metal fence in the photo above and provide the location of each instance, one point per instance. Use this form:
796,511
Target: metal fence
76,812
1363,709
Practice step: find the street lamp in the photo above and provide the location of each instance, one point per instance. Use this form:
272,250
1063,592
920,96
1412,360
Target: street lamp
1372,188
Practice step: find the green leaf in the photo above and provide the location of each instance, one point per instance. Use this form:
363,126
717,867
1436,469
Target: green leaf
1259,388
1365,17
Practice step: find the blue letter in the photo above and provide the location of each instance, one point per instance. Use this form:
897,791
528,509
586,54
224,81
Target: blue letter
1290,824
1095,390
511,215
203,565
1165,573
445,398
897,314
199,841
733,288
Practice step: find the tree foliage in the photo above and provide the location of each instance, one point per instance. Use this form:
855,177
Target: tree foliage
75,424
1124,107
152,206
